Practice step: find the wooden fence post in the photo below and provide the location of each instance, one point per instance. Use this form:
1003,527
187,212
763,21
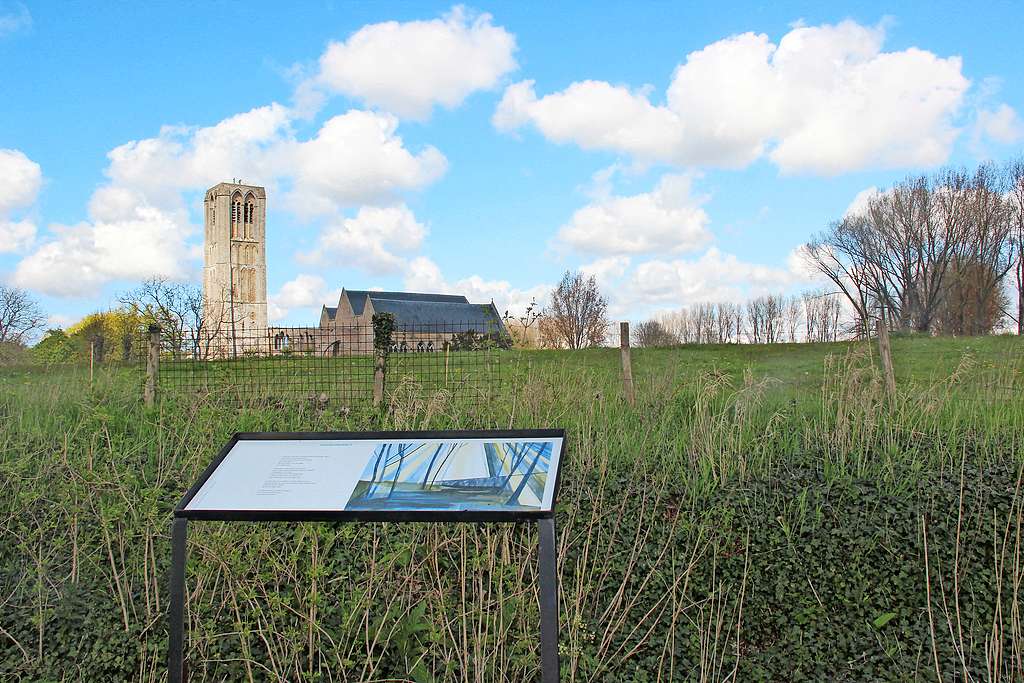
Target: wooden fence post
885,351
152,365
627,364
92,355
378,378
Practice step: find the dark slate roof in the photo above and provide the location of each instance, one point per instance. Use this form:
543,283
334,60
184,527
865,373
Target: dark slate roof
480,317
331,312
357,297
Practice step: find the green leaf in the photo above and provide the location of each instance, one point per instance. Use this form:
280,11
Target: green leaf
883,619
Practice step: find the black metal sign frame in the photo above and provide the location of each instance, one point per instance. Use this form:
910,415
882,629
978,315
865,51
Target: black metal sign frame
545,519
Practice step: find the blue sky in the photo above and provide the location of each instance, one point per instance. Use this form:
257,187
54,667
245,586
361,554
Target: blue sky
679,152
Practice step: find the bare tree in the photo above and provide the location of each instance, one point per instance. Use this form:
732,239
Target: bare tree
680,325
792,313
919,244
20,316
822,311
548,336
579,311
652,333
756,320
834,254
986,254
189,325
729,319
773,318
522,327
1016,215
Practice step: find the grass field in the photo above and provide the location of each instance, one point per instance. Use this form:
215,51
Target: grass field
762,513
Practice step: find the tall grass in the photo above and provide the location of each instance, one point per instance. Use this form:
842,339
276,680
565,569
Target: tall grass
700,532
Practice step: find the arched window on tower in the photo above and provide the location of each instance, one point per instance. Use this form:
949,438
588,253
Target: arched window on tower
236,216
250,216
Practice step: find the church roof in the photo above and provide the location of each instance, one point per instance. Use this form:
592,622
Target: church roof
331,312
357,298
481,317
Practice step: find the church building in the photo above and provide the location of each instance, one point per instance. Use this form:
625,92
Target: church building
235,295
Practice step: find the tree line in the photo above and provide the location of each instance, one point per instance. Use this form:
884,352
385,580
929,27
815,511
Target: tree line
934,253
814,316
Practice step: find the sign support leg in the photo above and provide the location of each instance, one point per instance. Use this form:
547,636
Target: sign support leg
176,608
548,601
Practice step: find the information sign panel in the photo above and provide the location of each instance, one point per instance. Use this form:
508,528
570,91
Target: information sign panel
407,474
482,475
400,476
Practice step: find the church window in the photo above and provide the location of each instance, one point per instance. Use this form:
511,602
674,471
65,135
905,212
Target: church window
236,217
250,216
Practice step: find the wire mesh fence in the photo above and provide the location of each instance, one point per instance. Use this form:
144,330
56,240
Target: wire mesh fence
341,366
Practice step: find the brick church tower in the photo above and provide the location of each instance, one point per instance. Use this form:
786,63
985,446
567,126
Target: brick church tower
235,265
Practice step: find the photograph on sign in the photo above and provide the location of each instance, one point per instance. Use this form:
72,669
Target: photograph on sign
500,474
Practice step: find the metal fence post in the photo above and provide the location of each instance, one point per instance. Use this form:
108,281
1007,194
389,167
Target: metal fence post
885,351
152,365
176,606
627,364
548,574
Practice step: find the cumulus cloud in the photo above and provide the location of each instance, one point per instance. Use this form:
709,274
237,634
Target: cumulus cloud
354,158
714,276
370,239
861,201
409,68
77,260
193,158
16,235
21,180
824,99
1001,125
667,219
423,275
303,291
607,270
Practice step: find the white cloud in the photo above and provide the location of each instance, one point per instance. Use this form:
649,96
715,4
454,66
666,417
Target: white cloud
304,291
193,158
667,219
370,239
14,19
20,180
861,201
1001,124
715,276
357,158
423,275
79,259
607,270
354,158
139,221
825,99
408,68
594,115
16,235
